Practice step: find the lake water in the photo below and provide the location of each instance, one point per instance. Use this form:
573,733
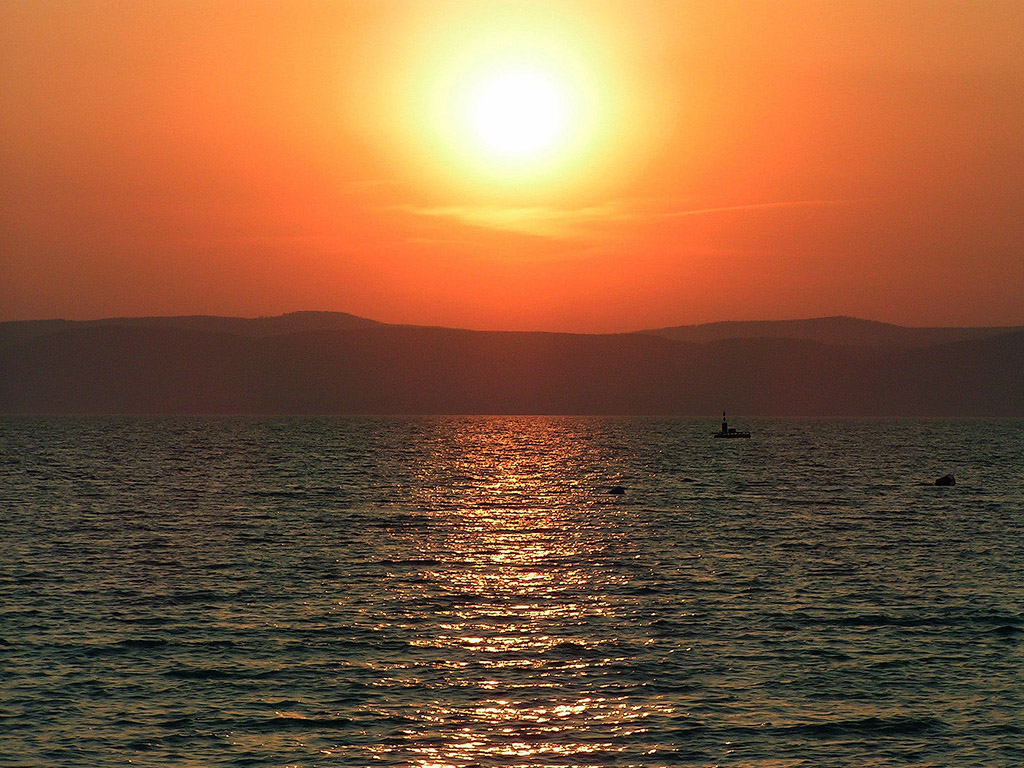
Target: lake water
465,592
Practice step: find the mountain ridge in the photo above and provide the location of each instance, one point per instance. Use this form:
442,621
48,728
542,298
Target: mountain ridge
840,330
342,364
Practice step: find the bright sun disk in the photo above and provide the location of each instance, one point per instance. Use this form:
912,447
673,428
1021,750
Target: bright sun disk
516,113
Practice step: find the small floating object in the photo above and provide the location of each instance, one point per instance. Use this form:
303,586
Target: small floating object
618,490
946,480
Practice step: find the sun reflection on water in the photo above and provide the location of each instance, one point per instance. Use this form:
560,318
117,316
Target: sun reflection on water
521,596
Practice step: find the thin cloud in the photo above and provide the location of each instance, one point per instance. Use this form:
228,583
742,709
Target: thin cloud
437,241
752,207
579,223
537,221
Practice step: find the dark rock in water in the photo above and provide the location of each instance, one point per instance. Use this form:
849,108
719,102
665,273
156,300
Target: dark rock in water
617,489
946,480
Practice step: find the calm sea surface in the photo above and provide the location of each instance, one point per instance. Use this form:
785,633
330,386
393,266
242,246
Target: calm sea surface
466,592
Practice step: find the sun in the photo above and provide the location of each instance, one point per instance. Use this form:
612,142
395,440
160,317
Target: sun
522,100
513,118
501,98
517,113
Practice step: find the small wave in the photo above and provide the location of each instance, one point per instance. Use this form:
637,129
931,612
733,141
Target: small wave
411,561
280,493
399,521
869,726
144,642
141,745
196,596
152,543
573,650
125,646
1007,630
688,729
177,723
169,562
1001,623
211,643
883,620
199,673
214,673
289,722
642,590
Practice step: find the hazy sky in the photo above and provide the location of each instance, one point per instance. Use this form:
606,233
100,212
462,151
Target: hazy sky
589,166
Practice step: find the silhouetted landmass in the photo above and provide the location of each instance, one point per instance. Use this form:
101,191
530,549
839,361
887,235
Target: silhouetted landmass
12,332
841,331
336,363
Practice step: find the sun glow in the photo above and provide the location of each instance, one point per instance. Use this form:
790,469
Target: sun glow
512,102
512,114
517,113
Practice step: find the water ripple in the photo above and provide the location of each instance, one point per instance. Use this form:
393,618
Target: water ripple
458,592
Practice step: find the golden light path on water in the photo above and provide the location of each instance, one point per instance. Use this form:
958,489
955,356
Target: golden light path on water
524,567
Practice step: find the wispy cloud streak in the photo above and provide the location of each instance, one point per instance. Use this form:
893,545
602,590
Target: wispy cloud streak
752,207
577,223
539,221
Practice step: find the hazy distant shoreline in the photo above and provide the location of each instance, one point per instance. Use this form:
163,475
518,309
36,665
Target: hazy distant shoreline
323,362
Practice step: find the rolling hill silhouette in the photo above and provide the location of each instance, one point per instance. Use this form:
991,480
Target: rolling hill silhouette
319,362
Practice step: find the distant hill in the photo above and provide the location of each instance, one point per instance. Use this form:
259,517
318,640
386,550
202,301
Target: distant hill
13,332
336,363
839,331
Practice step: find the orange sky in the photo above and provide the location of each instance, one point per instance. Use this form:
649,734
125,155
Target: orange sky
734,159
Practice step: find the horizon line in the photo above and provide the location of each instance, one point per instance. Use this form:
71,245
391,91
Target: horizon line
646,329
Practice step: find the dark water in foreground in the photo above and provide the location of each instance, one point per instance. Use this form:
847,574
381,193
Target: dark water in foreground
465,592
